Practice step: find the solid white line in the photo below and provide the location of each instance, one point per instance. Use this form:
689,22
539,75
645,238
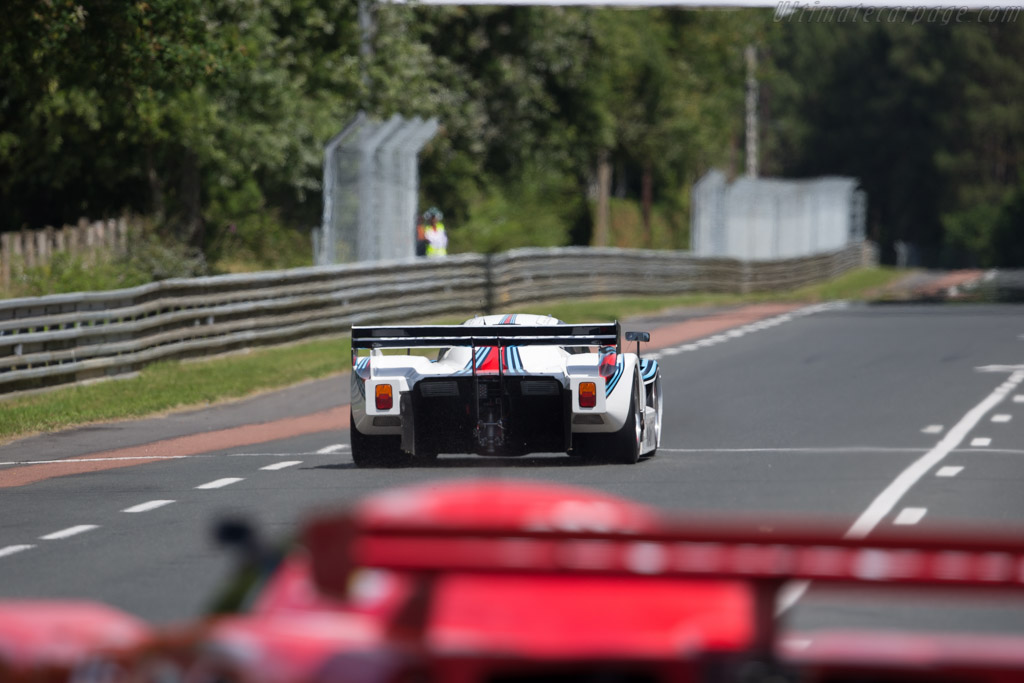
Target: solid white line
70,531
282,465
949,471
932,429
327,450
14,463
227,481
270,455
75,461
840,449
672,351
824,449
1002,417
1012,451
146,507
883,504
11,549
981,441
910,516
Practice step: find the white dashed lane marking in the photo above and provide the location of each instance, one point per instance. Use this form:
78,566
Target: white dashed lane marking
220,483
909,516
282,465
12,549
327,450
981,441
745,329
891,495
1002,417
949,471
1019,398
146,507
932,429
70,531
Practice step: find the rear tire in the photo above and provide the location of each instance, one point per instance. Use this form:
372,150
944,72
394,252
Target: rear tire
621,447
369,450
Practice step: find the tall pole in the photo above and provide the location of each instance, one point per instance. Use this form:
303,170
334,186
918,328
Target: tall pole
750,53
366,31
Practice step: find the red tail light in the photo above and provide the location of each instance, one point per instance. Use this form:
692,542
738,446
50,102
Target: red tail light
588,394
385,397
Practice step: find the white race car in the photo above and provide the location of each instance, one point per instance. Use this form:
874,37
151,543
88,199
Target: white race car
503,385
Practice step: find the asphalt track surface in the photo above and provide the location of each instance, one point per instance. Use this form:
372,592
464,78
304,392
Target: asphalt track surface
853,416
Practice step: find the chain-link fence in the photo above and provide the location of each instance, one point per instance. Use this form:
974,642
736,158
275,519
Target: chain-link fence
768,218
371,187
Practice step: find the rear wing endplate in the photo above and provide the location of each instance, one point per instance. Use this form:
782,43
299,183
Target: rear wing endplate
438,336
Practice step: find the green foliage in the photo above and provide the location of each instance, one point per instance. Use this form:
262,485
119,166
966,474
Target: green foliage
151,257
165,106
1008,230
538,210
259,241
971,230
69,273
146,258
927,116
669,227
84,87
205,116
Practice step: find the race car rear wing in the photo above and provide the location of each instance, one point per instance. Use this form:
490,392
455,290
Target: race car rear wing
437,336
675,551
670,550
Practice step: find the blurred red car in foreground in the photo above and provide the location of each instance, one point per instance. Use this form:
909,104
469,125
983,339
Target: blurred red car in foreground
501,582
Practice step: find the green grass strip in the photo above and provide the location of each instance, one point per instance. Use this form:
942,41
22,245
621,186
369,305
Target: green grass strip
169,386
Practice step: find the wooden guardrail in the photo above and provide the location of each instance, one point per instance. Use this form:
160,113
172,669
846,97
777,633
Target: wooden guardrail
65,338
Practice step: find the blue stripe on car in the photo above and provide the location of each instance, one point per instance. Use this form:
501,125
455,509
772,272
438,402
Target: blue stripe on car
648,369
610,385
478,358
513,361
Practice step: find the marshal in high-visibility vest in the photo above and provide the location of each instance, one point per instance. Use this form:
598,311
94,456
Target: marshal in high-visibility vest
437,238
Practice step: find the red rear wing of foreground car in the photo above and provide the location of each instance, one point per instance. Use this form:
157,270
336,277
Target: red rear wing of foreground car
667,549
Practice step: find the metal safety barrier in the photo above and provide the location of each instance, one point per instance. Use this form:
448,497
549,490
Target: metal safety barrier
67,338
